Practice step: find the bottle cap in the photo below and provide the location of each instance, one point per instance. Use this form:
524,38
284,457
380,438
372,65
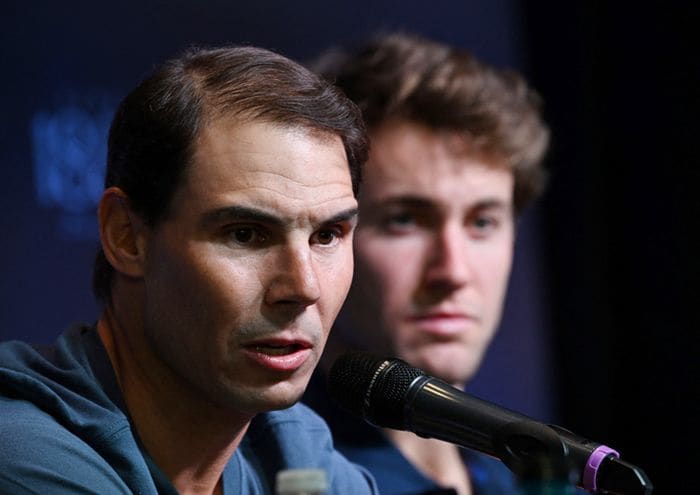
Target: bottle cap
301,482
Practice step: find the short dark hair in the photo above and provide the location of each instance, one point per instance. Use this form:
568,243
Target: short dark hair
403,76
152,137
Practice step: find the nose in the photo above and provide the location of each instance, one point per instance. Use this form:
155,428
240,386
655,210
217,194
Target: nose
448,265
296,281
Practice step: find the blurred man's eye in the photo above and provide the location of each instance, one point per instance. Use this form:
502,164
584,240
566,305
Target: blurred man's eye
402,219
483,225
485,222
399,222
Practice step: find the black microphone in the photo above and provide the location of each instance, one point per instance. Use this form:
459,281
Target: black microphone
390,393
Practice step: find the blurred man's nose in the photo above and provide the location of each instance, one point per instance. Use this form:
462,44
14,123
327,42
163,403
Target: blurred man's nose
448,264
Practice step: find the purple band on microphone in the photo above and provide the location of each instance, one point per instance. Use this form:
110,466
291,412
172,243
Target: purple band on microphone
591,470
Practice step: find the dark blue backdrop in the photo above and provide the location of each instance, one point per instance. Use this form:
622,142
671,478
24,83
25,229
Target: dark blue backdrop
600,327
66,66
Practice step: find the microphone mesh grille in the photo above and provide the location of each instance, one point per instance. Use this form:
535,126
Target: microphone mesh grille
388,396
372,387
350,378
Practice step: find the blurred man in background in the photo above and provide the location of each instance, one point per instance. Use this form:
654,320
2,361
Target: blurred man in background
455,155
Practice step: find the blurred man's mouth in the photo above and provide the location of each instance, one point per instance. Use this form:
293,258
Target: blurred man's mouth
441,323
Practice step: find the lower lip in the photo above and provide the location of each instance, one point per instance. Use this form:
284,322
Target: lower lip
442,325
279,362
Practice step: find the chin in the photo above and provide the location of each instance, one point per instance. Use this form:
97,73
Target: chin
255,400
284,399
268,404
450,376
441,358
453,371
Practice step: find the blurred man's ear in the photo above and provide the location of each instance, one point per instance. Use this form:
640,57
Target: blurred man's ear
122,233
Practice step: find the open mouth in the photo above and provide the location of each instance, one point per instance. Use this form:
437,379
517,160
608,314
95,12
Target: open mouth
284,356
278,350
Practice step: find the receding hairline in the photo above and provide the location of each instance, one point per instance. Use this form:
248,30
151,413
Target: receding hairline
243,118
216,107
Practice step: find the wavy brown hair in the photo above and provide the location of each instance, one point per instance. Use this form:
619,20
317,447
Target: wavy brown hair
402,76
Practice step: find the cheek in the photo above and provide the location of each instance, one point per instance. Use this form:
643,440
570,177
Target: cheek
494,272
335,276
389,273
205,289
382,293
170,280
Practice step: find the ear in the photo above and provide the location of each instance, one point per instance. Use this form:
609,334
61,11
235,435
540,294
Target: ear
122,233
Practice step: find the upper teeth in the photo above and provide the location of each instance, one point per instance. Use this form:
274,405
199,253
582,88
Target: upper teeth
274,349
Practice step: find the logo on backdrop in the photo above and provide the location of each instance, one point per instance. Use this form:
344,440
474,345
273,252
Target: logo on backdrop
69,152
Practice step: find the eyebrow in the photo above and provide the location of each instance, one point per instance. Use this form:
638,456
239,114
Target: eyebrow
250,214
422,202
343,216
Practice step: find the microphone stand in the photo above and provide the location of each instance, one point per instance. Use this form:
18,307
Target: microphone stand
537,456
540,459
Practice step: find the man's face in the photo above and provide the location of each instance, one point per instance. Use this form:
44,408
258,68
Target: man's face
247,272
433,250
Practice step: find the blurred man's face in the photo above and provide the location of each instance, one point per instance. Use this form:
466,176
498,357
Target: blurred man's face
433,250
248,270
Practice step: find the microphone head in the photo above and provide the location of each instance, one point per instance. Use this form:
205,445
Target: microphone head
372,387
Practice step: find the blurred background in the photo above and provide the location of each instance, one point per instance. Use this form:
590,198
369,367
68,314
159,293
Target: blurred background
600,327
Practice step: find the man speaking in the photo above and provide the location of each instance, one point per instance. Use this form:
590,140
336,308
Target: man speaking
226,232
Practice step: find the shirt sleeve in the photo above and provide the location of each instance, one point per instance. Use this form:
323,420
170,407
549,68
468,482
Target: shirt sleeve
39,456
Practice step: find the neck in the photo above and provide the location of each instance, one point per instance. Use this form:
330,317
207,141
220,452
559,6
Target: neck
440,461
189,438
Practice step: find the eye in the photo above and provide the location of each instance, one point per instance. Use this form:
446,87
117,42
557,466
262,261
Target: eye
403,218
243,235
327,237
246,235
484,224
399,221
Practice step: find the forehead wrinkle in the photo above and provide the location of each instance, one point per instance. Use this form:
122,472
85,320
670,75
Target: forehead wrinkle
228,141
280,203
298,182
281,189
